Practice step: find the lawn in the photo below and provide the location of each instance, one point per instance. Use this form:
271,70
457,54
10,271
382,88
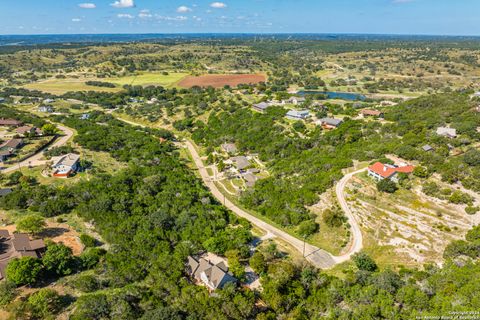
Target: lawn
149,78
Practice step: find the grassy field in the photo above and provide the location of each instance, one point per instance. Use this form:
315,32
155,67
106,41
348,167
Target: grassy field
61,86
149,78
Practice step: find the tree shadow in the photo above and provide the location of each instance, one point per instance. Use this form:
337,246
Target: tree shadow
52,232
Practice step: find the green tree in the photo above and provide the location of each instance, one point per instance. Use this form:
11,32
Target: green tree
93,306
87,241
49,129
234,264
32,223
59,259
258,263
307,228
25,270
44,303
8,291
387,185
420,172
364,262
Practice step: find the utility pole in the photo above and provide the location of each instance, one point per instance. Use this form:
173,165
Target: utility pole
304,239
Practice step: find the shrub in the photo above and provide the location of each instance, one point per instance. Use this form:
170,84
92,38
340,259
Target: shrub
387,185
59,259
87,241
8,292
32,223
334,218
307,228
364,262
25,270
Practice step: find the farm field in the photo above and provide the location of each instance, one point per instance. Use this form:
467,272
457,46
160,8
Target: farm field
220,80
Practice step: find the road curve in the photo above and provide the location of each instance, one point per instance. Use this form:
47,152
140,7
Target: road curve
34,160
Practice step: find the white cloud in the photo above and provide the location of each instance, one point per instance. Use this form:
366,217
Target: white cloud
218,5
144,14
183,9
125,16
167,18
76,20
87,5
123,4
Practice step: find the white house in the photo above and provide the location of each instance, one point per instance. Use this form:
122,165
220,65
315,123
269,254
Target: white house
297,114
66,165
447,132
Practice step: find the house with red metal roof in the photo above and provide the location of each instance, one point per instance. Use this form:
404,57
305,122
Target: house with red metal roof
380,171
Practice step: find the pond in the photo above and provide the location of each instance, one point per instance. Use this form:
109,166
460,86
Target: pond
335,95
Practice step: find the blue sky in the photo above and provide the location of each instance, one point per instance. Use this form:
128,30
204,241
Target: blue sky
439,17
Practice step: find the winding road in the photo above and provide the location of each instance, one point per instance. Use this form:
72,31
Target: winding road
318,257
35,160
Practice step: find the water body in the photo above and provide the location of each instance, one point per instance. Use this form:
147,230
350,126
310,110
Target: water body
336,95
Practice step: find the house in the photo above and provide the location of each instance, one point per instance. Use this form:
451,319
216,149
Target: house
240,162
17,245
66,165
214,276
11,144
330,123
229,147
10,122
85,116
296,100
48,100
371,113
447,132
427,148
298,114
25,130
48,109
380,171
262,106
2,100
476,94
4,155
250,179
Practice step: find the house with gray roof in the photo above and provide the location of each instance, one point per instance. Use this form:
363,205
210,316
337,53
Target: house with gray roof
214,276
427,148
229,147
240,162
250,179
296,100
297,114
262,106
66,165
330,123
447,132
11,144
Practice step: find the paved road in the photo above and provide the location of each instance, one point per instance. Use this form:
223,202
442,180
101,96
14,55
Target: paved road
35,160
318,257
356,243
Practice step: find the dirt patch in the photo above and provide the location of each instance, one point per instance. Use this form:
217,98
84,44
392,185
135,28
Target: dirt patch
221,80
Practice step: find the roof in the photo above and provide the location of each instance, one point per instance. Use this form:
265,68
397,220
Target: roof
68,160
445,131
427,147
24,129
241,162
331,121
369,112
12,143
261,105
216,275
296,98
9,122
387,171
229,147
298,113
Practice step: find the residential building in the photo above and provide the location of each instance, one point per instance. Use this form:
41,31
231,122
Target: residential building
229,147
298,114
447,132
48,109
427,148
4,155
380,171
66,165
11,144
85,116
5,191
48,100
28,130
240,162
262,106
371,113
17,245
330,123
2,100
296,100
250,179
214,276
10,122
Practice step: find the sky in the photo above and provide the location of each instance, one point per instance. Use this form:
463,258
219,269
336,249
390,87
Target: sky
425,17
